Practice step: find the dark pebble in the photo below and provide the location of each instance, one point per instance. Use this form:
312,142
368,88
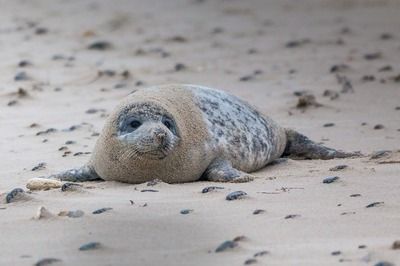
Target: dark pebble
236,195
355,195
329,125
339,68
90,246
179,67
330,179
384,263
292,216
69,142
362,246
101,210
40,166
250,261
386,36
229,244
378,126
177,39
47,131
70,187
380,154
186,211
396,244
246,78
258,211
209,189
338,167
24,63
373,56
100,46
46,261
12,103
41,31
75,214
22,76
261,253
386,68
367,78
375,204
14,194
149,190
335,253
296,43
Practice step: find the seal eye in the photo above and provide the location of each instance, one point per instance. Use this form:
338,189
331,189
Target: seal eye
135,124
168,123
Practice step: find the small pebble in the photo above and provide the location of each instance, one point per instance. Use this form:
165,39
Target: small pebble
90,246
329,124
236,195
186,211
179,67
380,154
396,244
384,263
15,194
24,63
70,187
385,68
75,214
210,189
41,31
258,211
375,204
339,68
149,190
330,179
100,46
101,210
338,167
40,166
22,76
261,253
362,246
335,253
46,261
250,261
229,244
355,195
43,213
292,216
246,78
373,56
378,126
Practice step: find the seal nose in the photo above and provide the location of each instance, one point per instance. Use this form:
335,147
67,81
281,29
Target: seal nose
160,136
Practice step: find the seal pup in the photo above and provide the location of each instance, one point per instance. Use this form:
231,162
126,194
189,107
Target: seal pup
183,133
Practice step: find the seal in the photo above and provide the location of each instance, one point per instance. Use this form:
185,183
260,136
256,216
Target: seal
183,133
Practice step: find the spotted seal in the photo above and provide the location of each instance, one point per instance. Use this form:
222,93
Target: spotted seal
183,133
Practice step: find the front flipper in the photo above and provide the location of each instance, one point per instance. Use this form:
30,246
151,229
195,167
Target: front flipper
222,171
85,173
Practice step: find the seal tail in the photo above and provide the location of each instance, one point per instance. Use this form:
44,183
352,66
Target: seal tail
300,147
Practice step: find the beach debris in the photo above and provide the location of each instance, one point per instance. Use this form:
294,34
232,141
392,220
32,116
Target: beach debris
292,216
43,213
236,195
210,189
100,46
338,167
39,183
46,261
330,179
375,204
258,211
186,211
90,246
98,211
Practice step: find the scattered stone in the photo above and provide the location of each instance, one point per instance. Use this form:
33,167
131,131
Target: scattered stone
396,244
47,131
368,78
43,184
70,142
24,63
373,56
329,124
386,36
101,210
386,68
41,31
46,261
72,214
186,211
339,68
149,190
177,39
92,111
229,244
306,101
250,261
338,167
258,211
336,253
100,46
179,67
22,76
395,78
261,253
362,246
40,166
90,246
43,213
330,179
70,187
210,189
375,204
384,263
12,103
15,195
379,126
153,182
345,82
297,43
246,78
236,195
292,216
355,195
380,154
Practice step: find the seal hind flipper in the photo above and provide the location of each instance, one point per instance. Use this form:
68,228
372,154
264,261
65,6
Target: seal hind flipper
82,174
222,171
299,146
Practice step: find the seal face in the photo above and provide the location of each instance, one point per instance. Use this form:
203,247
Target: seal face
181,133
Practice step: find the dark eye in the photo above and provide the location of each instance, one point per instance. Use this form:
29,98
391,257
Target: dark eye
168,123
135,124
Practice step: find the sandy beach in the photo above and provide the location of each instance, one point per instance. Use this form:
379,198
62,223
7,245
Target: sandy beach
328,69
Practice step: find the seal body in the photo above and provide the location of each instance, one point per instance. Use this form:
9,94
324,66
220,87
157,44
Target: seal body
181,133
213,125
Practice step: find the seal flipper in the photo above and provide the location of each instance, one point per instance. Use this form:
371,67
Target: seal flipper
82,174
299,146
222,171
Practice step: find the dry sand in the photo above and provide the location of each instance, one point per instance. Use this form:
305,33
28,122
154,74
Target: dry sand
219,42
